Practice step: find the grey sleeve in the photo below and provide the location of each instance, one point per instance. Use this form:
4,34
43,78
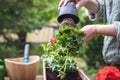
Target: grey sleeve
100,14
116,22
117,28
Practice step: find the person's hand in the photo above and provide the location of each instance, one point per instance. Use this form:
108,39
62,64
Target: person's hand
89,31
83,75
78,3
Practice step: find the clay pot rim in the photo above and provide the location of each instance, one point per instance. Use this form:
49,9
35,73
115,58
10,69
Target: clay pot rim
12,60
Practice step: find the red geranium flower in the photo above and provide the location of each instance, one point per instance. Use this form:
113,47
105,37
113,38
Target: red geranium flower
52,41
108,73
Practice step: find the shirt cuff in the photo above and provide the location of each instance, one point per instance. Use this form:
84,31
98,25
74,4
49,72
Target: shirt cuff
99,13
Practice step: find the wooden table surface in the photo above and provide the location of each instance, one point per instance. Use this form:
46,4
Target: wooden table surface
40,77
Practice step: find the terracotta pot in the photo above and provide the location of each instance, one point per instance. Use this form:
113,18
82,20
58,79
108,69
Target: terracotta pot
18,70
49,75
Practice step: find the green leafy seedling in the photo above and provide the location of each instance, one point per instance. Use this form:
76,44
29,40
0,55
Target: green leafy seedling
59,55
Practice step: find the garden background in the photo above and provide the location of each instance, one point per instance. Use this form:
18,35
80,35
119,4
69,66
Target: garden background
20,17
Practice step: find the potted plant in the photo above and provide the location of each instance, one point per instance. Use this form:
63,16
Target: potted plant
58,61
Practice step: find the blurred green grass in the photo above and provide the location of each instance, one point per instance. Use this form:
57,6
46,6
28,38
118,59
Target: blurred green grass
40,70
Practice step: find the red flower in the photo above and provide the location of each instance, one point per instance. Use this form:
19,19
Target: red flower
52,41
108,73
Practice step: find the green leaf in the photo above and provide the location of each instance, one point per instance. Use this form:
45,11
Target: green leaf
1,62
2,69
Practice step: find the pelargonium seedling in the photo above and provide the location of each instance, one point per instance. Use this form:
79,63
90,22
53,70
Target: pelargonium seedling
59,52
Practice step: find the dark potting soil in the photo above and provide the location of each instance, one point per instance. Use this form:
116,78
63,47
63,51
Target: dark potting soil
70,76
68,22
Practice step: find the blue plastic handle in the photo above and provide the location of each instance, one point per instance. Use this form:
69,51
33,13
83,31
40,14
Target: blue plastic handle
26,60
26,53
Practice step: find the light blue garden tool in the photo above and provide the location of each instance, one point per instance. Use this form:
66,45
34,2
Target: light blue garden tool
26,53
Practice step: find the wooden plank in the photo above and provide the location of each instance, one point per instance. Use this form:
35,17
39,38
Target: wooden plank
38,78
44,35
